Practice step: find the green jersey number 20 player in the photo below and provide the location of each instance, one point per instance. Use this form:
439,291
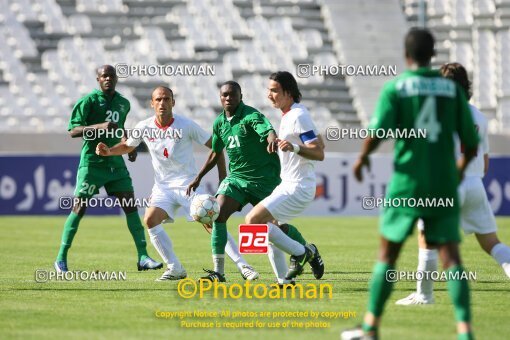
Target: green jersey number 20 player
103,109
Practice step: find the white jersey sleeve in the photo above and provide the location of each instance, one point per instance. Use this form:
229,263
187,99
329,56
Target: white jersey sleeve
297,127
134,142
305,128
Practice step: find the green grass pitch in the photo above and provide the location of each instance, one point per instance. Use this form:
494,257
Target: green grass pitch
126,309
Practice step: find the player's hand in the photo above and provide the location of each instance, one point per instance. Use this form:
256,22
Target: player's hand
102,149
132,155
192,186
272,142
358,167
272,146
285,145
108,126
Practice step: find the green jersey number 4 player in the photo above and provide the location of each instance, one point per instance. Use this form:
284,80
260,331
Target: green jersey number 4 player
476,214
425,169
103,109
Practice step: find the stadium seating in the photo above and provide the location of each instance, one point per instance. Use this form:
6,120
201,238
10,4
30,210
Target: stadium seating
476,34
54,46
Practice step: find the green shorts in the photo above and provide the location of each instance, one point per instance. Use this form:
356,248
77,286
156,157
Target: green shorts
396,225
90,179
245,192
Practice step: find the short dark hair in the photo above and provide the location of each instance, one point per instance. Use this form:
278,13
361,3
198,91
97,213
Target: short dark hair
100,69
457,73
288,84
163,87
233,84
419,45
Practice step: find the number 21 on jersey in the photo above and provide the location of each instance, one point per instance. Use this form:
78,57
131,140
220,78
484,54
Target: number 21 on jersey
233,142
427,120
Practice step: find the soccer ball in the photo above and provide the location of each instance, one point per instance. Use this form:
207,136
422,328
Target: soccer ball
204,209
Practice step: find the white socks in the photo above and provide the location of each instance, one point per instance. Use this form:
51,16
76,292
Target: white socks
163,244
427,261
232,251
285,243
501,253
278,261
219,263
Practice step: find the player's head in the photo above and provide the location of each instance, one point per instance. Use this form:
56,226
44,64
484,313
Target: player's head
162,100
283,90
419,46
457,73
106,77
230,96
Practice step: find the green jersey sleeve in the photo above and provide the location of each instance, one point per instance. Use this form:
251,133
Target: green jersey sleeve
465,124
80,113
385,115
260,124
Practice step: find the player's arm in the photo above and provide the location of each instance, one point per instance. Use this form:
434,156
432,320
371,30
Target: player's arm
485,163
384,117
272,141
262,126
369,145
220,163
467,156
78,130
132,155
467,133
313,150
78,121
119,149
125,146
212,160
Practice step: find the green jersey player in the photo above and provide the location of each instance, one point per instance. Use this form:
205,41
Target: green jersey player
425,169
254,167
95,117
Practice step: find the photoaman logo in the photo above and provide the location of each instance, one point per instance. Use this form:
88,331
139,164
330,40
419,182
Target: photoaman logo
253,238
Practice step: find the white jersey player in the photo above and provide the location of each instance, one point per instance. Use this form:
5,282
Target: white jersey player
299,145
169,139
476,214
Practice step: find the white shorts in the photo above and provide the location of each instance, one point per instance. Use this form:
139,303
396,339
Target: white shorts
171,199
288,200
476,215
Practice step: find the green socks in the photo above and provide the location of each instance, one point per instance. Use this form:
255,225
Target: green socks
219,238
138,233
465,336
459,293
70,229
380,288
294,234
134,225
